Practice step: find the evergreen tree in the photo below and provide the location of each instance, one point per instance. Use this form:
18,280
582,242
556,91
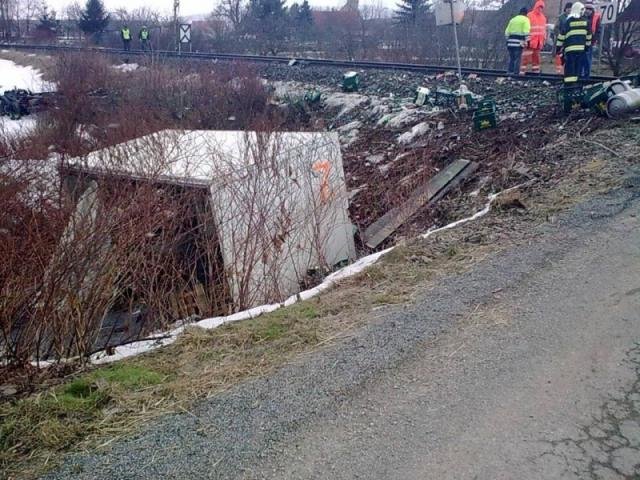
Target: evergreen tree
410,13
301,19
47,22
47,25
294,12
267,20
94,19
305,17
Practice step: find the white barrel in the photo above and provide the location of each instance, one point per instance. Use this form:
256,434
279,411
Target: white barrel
623,103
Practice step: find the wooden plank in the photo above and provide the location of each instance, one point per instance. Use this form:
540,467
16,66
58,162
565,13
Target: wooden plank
430,192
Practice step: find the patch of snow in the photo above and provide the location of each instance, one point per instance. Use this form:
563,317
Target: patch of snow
167,338
377,109
285,90
346,102
400,119
356,124
417,131
127,67
401,156
349,133
18,76
375,159
17,128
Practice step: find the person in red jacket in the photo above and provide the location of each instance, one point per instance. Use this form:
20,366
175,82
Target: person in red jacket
531,54
594,17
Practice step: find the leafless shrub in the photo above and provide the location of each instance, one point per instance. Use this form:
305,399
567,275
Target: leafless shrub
162,228
81,243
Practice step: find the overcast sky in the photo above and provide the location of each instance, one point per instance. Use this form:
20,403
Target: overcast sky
187,7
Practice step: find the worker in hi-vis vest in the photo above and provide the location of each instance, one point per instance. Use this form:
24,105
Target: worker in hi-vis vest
537,37
125,34
145,38
517,35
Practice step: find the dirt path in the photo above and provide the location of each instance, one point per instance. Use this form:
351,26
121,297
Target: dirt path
524,367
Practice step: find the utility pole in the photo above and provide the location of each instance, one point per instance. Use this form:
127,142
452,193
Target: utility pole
455,39
176,27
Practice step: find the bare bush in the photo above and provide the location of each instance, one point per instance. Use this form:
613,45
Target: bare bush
81,244
104,247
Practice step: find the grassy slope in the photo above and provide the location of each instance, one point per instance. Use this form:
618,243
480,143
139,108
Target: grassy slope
96,407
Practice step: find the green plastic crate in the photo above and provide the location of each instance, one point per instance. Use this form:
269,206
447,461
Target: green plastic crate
484,120
570,98
350,82
485,116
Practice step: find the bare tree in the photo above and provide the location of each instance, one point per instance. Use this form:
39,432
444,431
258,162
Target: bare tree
623,37
232,10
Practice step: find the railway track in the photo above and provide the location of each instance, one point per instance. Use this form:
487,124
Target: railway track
204,56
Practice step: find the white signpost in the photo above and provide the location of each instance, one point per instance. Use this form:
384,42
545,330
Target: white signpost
451,12
609,15
609,11
184,35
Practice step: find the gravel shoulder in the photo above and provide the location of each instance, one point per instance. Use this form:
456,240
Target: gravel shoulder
483,376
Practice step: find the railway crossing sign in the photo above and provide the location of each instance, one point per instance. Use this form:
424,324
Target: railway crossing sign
609,11
184,33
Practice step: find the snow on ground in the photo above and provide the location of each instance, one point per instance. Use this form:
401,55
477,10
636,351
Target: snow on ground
13,76
401,119
346,102
17,128
127,67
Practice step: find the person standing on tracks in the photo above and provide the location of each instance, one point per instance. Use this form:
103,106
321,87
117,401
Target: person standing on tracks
594,18
145,38
573,41
556,31
125,34
517,34
538,35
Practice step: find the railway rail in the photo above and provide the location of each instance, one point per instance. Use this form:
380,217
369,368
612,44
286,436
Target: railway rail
410,67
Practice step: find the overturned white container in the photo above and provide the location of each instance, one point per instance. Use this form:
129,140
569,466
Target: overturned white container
280,196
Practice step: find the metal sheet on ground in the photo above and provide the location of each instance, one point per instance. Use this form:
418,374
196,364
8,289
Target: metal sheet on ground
433,190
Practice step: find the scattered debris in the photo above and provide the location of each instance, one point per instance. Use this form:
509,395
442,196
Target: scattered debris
416,131
422,96
17,103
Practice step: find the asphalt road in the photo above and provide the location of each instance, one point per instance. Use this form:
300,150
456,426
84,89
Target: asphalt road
525,367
